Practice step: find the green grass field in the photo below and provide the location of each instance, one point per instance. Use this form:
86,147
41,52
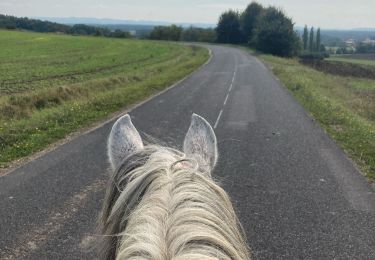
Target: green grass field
344,106
51,85
352,59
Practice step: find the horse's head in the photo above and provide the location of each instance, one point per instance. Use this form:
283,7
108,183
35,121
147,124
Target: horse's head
200,142
163,204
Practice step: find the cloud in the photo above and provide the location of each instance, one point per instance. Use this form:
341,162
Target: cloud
323,13
222,6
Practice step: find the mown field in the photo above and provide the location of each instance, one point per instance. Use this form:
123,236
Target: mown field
344,106
51,85
362,59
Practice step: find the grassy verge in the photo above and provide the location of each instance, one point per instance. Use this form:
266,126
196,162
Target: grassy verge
65,83
344,106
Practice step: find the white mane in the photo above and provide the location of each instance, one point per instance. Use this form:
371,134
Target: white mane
162,205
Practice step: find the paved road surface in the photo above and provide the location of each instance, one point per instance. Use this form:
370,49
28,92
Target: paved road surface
297,194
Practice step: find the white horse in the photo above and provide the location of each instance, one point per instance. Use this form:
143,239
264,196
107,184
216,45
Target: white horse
163,204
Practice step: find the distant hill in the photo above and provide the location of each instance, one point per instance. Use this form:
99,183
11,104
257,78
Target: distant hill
139,29
338,37
101,27
358,35
24,23
334,37
365,29
106,21
300,28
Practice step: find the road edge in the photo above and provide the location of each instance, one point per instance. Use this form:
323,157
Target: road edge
315,121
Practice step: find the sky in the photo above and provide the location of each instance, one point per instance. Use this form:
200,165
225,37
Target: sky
338,14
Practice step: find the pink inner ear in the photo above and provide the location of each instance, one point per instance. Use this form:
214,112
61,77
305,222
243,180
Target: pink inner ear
183,165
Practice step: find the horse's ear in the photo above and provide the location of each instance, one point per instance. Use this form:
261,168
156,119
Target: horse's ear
123,140
200,143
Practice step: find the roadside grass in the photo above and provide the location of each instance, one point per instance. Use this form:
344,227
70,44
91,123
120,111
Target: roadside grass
352,60
40,108
344,106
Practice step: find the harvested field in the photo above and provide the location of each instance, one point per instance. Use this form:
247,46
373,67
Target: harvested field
361,59
52,85
346,69
359,56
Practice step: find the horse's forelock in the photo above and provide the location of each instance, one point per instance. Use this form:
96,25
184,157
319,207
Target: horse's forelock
111,223
156,168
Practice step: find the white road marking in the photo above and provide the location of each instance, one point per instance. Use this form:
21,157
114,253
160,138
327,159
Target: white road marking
218,119
226,99
234,76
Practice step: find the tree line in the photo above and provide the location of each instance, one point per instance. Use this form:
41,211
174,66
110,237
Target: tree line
365,48
312,46
24,23
266,29
178,33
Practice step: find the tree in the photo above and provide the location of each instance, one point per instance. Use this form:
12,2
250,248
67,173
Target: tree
311,44
249,19
168,33
318,41
193,34
365,48
228,28
120,34
275,33
305,38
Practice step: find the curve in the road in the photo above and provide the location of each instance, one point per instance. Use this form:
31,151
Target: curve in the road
297,194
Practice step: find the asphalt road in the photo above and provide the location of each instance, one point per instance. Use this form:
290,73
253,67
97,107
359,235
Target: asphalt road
297,194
